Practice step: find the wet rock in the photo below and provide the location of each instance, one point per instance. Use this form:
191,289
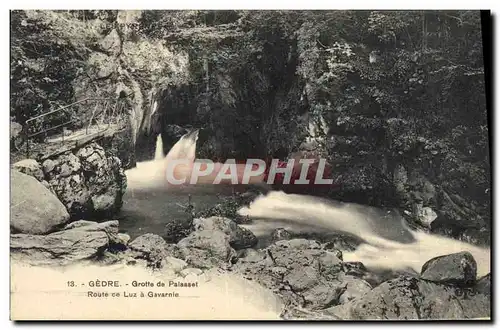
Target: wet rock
375,278
174,132
458,269
330,263
239,237
147,243
298,243
34,209
280,234
354,268
30,167
425,215
206,249
75,243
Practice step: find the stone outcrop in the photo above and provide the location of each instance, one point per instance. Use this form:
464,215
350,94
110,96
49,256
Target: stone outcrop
316,284
80,240
298,270
88,181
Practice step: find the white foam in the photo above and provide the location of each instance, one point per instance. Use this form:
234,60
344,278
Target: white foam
306,213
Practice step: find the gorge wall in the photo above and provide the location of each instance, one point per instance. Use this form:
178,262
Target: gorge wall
389,98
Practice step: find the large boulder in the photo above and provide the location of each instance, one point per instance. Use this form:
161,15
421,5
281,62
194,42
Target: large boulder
239,237
483,285
79,241
457,268
34,209
147,243
206,249
88,182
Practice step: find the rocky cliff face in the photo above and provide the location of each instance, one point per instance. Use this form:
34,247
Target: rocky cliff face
400,129
34,208
88,181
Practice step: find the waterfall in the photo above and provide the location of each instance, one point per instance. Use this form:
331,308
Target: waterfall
152,174
159,154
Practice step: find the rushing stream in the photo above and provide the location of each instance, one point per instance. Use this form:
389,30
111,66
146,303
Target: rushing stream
388,243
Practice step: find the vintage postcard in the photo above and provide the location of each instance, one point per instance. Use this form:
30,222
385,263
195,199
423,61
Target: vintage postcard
250,165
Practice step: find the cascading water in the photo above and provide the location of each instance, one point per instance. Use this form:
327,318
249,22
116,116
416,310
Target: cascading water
150,202
159,154
152,174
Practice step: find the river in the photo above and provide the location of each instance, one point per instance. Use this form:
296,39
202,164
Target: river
149,204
